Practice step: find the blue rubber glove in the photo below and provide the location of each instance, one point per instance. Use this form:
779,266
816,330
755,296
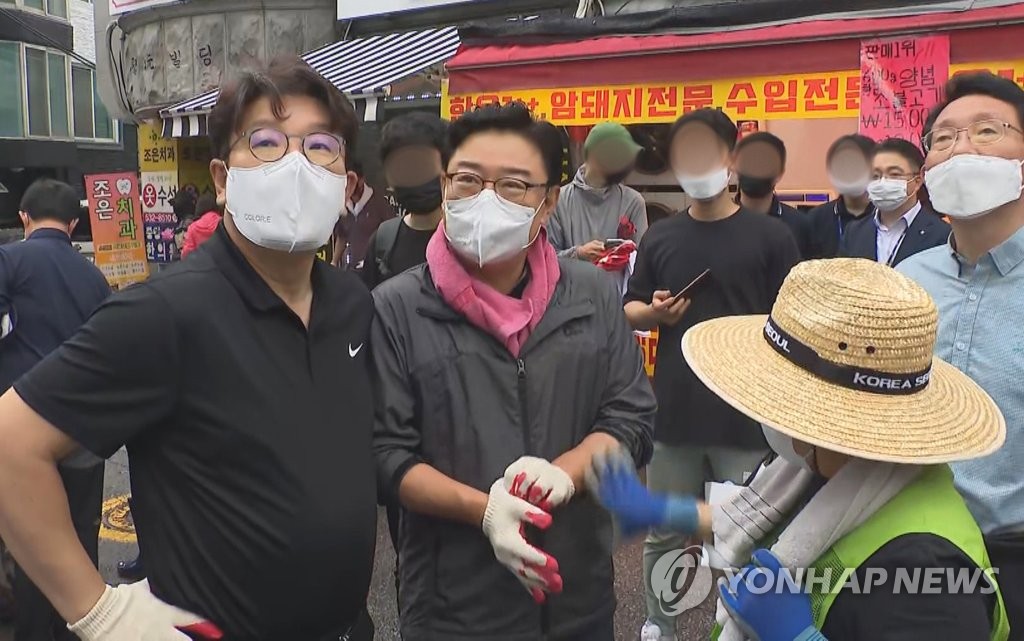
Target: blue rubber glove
781,612
613,480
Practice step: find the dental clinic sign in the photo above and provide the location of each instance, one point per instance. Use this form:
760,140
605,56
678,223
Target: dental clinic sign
349,9
118,7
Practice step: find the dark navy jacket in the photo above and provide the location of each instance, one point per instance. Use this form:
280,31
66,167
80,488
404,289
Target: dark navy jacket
928,230
49,290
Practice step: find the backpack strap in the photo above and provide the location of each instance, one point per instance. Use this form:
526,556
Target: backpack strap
384,244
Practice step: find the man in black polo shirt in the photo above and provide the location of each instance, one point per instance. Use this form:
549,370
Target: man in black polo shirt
255,506
749,256
760,163
47,291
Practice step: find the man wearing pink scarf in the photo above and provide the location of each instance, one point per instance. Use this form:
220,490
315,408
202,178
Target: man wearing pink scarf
500,371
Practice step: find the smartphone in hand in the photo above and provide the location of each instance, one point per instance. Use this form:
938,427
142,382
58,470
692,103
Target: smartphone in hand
694,287
612,243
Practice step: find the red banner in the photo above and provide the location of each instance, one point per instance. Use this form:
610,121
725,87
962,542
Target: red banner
117,232
901,80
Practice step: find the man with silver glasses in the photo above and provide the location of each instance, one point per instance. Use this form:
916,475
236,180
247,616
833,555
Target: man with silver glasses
975,147
254,503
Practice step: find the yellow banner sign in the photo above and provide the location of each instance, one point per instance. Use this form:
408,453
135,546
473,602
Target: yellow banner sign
809,95
156,153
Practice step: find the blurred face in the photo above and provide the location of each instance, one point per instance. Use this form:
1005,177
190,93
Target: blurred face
697,150
412,166
849,165
612,160
304,128
759,160
988,118
507,163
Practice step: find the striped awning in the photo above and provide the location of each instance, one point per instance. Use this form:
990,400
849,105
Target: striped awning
362,68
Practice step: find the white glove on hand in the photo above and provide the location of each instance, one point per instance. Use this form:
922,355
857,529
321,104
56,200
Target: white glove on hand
131,613
542,483
504,521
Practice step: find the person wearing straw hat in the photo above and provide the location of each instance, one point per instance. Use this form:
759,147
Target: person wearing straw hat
864,421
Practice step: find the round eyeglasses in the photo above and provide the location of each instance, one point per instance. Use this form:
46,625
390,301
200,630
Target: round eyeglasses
466,184
981,133
270,145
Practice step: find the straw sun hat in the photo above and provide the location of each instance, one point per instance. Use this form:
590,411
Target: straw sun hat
845,362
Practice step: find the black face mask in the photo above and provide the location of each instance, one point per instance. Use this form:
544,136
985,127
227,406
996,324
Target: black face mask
618,177
756,187
421,199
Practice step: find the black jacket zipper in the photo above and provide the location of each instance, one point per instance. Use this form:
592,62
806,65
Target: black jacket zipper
545,623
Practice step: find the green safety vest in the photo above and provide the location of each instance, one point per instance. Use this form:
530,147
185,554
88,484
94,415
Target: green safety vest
929,505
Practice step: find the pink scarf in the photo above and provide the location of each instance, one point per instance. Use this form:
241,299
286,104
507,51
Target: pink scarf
510,320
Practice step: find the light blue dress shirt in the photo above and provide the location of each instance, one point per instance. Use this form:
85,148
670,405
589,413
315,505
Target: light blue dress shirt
981,333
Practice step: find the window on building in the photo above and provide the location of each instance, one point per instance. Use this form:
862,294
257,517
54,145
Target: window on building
11,122
57,8
57,76
91,118
105,129
81,83
38,99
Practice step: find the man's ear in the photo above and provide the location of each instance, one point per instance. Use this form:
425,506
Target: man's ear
219,173
550,202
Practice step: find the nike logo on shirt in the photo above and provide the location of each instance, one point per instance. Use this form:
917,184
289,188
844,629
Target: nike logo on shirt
353,351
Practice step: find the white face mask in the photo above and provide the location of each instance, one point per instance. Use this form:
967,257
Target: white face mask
850,188
487,228
782,444
888,193
290,205
968,185
705,187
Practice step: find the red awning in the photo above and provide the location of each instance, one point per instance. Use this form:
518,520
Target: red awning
799,47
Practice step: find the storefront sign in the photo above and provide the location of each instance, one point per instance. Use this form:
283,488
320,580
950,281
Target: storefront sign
118,7
158,189
156,153
813,95
116,217
901,80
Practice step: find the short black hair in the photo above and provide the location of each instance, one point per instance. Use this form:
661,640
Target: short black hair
184,204
207,203
513,117
355,166
905,148
416,129
863,144
982,83
53,200
766,138
286,75
715,119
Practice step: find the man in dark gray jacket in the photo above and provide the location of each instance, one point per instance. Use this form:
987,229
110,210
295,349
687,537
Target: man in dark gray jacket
501,370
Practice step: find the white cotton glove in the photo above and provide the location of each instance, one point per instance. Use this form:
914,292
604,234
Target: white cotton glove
505,520
542,483
131,613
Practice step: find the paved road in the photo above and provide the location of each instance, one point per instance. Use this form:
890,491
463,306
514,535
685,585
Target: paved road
693,625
